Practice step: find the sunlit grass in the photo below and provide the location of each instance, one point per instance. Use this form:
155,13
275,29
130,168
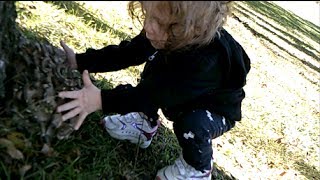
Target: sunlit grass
55,25
278,133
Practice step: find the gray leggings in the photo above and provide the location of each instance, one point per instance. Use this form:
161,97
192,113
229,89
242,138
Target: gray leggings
195,131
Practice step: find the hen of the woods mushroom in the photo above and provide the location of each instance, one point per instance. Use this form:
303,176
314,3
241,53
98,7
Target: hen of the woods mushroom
40,73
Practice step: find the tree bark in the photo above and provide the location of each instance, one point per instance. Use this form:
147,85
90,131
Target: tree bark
32,72
8,39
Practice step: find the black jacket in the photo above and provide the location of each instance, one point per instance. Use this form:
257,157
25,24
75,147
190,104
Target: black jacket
210,77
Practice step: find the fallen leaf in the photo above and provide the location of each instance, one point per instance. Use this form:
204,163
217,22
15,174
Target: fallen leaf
283,173
24,169
11,149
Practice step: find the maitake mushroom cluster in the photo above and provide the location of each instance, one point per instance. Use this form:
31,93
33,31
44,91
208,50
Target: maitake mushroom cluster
40,72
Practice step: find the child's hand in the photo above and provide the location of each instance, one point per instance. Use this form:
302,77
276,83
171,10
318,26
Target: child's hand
85,101
71,56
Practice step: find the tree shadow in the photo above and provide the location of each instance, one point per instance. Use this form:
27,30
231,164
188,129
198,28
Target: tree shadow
310,172
74,8
285,18
126,161
297,43
288,21
262,36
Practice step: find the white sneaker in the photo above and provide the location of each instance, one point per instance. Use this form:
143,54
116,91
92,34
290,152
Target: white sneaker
180,170
132,126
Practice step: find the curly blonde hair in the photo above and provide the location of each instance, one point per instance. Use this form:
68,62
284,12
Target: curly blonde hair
188,23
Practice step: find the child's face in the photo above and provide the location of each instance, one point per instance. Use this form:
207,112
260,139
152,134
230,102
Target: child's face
156,31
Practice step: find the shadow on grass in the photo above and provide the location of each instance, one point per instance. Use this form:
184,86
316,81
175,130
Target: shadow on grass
310,172
288,38
285,18
73,8
33,36
92,153
288,21
262,36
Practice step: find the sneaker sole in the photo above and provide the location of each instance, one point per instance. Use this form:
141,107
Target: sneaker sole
142,145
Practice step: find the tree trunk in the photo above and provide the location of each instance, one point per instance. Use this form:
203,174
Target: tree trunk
31,75
8,39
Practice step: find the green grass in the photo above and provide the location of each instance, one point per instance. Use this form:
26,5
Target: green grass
288,20
281,119
260,141
91,153
295,31
90,18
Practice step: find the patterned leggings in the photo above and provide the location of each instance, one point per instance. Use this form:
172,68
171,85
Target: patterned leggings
195,131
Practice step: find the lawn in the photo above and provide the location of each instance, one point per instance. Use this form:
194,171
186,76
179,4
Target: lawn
278,137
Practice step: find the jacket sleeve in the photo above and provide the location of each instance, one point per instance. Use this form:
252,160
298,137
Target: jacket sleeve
167,90
115,57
